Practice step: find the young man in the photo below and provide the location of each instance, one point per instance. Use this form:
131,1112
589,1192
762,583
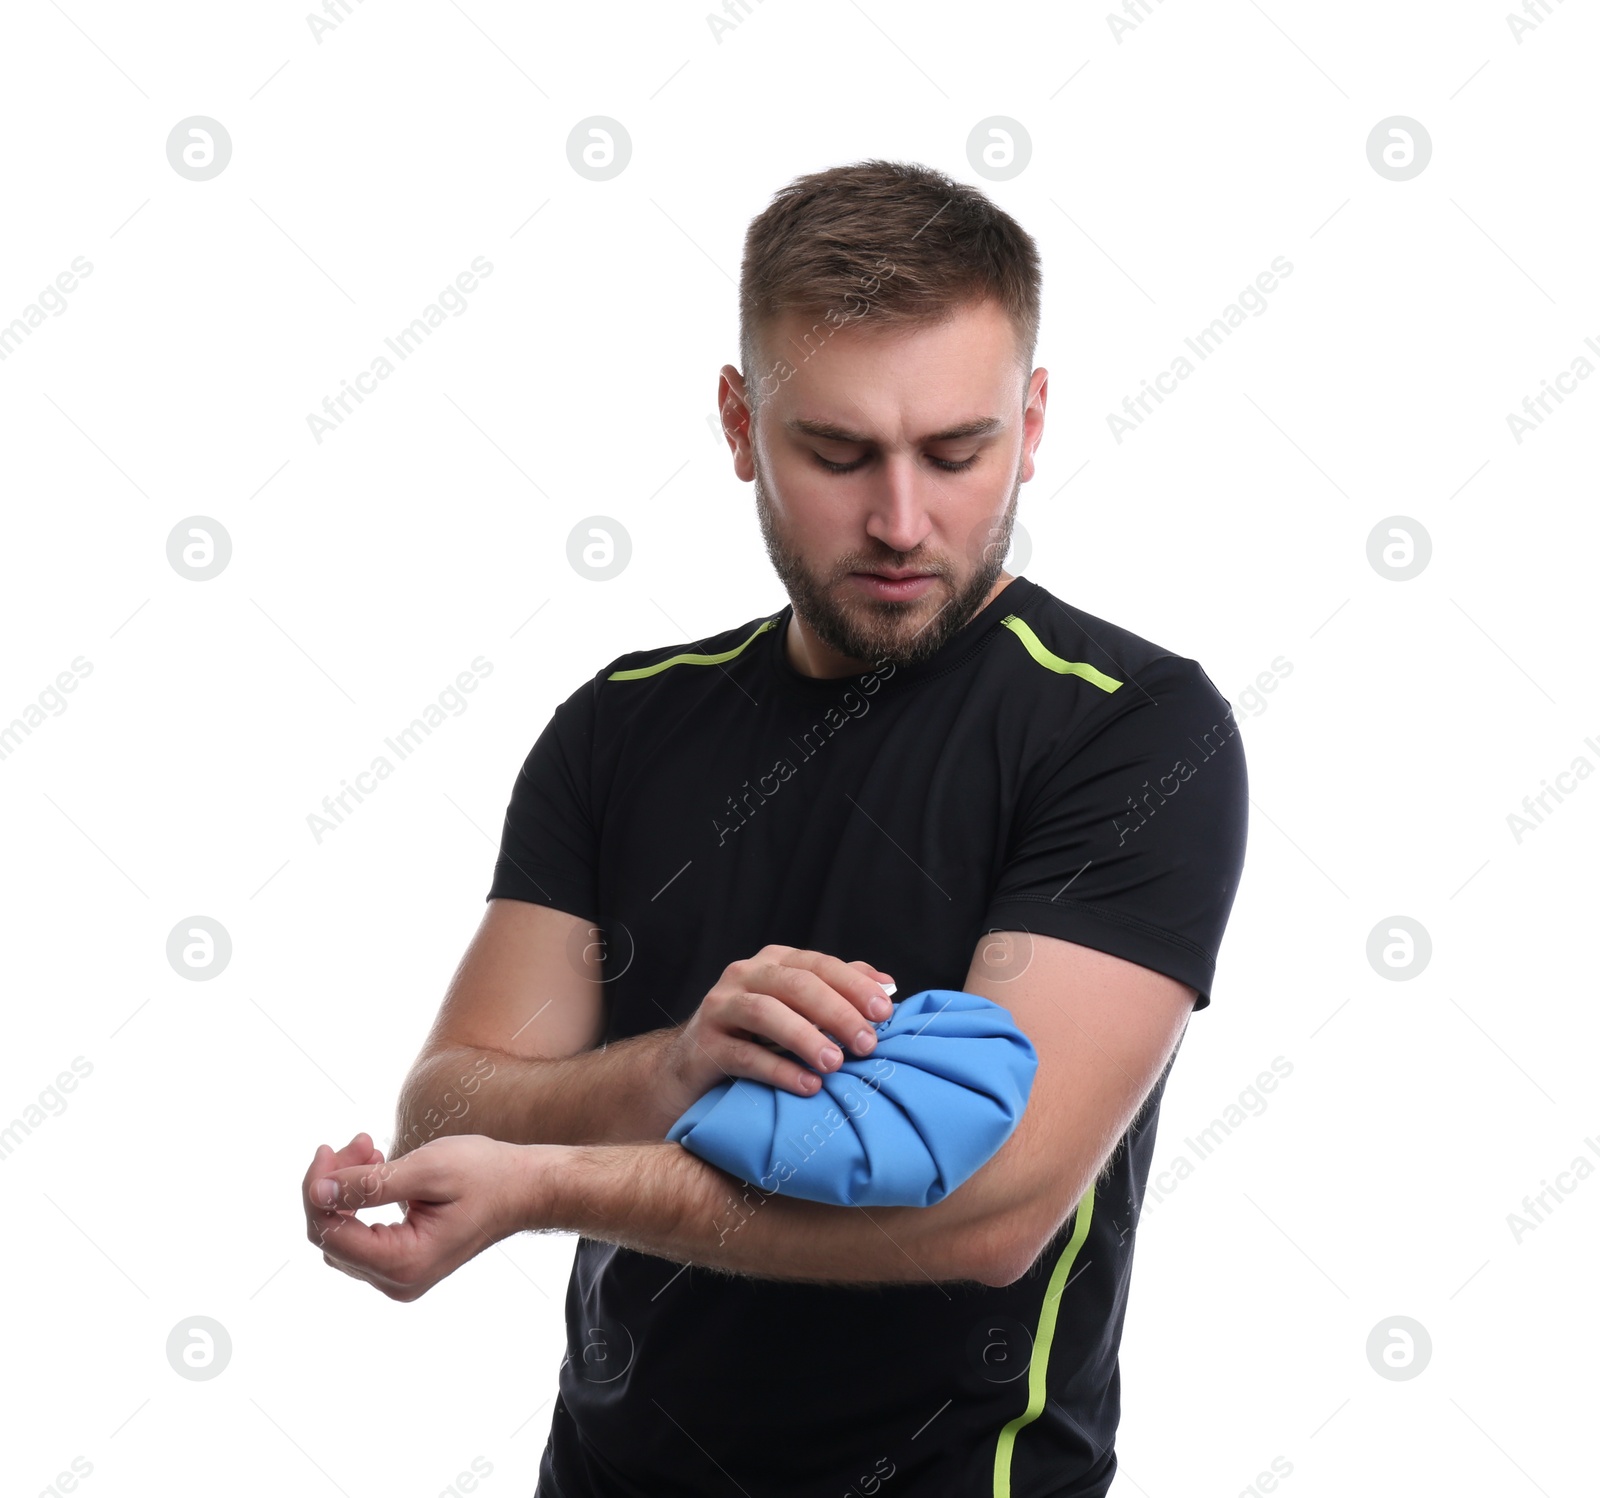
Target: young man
921,769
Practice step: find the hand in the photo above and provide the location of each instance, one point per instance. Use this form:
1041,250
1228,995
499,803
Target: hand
461,1193
783,996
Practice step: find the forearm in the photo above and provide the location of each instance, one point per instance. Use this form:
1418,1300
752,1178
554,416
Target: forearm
659,1198
604,1096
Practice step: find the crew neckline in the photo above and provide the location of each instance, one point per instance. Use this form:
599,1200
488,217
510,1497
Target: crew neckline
954,650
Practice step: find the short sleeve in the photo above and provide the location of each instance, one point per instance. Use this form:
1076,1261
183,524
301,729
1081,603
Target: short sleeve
1133,841
548,844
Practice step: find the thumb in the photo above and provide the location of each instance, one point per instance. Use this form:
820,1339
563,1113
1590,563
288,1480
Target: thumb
357,1186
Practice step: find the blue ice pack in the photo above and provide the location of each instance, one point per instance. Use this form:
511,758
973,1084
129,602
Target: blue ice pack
900,1127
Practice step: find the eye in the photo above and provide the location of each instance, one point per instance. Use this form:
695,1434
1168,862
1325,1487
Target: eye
943,463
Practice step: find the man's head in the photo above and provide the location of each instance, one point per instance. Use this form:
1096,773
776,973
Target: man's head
888,409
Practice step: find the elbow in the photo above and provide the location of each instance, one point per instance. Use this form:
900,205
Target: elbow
1008,1271
1001,1253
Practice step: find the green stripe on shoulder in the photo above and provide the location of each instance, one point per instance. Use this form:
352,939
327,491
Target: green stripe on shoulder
1053,662
690,658
1040,1361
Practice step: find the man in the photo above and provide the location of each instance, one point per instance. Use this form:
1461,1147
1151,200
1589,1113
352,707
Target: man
922,770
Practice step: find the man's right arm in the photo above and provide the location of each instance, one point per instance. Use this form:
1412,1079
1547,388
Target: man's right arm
512,1052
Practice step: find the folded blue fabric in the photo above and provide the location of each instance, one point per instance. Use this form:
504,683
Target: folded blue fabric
901,1127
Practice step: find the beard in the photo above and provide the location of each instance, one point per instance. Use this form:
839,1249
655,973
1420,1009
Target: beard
898,631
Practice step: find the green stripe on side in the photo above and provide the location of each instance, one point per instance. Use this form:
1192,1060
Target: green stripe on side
688,658
1041,1344
1050,660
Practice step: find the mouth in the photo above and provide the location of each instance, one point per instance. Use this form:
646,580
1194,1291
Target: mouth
894,585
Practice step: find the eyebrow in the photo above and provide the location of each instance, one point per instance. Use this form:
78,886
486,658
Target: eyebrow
827,431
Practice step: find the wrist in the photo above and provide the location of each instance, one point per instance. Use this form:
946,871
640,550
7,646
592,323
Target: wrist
535,1173
671,1089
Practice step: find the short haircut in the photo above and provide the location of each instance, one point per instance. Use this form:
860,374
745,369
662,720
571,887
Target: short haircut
885,244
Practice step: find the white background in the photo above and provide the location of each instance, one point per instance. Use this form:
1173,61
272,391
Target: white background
1166,170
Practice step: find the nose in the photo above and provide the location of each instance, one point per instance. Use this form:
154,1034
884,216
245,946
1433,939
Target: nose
899,516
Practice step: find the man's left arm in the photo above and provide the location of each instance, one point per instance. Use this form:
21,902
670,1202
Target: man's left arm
1103,1029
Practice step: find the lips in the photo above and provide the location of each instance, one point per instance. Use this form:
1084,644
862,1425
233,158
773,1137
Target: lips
894,587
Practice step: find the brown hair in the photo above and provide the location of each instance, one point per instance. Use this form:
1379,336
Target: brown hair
901,241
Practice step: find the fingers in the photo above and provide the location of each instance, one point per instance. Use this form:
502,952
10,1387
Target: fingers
749,1058
366,1249
359,1151
787,972
770,1018
871,971
859,982
383,1254
835,996
376,1184
324,1222
789,1013
330,1159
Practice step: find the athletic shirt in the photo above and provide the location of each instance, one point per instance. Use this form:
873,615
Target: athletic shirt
1044,771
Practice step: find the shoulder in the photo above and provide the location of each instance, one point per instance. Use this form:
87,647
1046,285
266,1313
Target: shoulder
632,691
712,650
1108,669
687,657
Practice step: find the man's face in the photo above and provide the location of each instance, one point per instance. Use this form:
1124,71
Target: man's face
906,490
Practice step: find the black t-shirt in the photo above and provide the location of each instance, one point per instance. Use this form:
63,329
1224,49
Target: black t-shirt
1045,771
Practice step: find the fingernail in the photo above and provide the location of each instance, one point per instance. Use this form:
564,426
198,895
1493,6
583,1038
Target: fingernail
831,1057
325,1191
880,1008
866,1040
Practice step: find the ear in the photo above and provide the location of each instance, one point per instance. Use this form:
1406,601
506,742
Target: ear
1033,419
734,411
